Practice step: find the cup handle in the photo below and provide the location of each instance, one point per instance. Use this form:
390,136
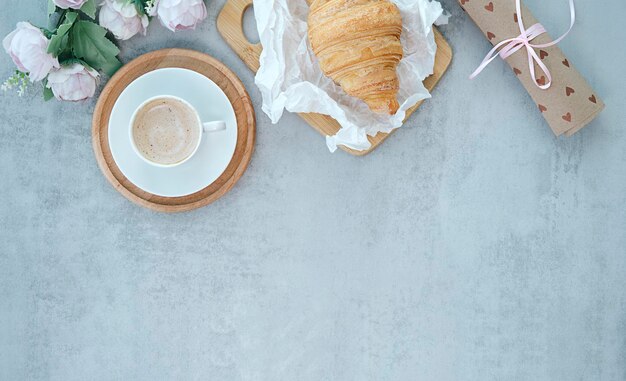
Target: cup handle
213,126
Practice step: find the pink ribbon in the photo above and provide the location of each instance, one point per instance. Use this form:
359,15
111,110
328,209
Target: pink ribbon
512,45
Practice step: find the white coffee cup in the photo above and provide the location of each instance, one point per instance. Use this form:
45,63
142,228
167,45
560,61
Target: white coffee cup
203,127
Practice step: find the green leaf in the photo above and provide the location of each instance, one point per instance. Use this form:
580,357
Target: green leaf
112,66
51,7
71,61
89,42
47,93
59,41
89,8
140,5
70,17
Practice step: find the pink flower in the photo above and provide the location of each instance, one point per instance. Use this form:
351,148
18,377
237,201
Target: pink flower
73,83
181,14
121,18
28,48
74,4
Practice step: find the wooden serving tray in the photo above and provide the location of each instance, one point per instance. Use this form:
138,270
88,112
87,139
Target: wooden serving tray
229,24
212,69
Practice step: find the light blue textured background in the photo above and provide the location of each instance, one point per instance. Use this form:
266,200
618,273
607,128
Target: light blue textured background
473,245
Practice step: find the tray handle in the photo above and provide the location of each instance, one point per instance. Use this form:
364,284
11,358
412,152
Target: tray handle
230,25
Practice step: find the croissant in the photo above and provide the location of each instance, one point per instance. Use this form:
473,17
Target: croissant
357,43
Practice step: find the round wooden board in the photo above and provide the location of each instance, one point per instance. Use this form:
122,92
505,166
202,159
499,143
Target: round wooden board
212,69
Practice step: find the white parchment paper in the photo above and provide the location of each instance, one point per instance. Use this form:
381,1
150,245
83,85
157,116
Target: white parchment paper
290,78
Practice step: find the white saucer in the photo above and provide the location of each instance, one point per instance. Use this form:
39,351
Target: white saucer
216,149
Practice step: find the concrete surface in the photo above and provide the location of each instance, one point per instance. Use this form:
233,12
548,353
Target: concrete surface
473,245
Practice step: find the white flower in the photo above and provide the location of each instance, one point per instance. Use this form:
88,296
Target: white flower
28,48
74,4
121,18
180,14
73,83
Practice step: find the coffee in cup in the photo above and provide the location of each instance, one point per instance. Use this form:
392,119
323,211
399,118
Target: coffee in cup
166,130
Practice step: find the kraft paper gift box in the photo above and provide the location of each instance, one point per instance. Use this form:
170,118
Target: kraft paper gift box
569,103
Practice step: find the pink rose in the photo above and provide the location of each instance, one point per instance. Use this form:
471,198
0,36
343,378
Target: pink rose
74,4
73,83
122,19
180,14
28,48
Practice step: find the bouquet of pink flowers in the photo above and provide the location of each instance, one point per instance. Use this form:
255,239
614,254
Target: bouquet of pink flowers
67,56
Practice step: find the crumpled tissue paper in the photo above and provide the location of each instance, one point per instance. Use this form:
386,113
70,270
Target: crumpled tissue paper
290,78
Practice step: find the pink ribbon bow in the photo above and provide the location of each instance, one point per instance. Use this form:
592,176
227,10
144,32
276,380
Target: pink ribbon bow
514,44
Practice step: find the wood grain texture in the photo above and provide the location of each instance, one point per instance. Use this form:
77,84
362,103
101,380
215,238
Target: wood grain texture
212,69
230,26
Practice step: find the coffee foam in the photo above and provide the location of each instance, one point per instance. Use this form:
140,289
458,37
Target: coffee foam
166,131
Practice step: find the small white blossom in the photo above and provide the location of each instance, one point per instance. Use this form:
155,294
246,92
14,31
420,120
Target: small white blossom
18,80
150,7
